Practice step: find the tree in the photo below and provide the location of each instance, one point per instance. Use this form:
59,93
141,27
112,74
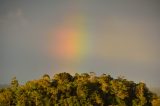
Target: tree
63,77
14,82
6,97
46,77
79,90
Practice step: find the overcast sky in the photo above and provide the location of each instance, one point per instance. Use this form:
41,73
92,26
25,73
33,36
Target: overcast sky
117,37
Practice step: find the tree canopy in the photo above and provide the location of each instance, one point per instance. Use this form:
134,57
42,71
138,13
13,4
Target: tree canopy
83,89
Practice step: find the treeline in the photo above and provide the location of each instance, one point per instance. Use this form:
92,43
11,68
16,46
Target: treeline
78,90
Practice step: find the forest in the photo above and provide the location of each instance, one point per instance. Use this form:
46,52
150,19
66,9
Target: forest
85,89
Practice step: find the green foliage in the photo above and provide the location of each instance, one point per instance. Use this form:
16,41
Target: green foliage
79,90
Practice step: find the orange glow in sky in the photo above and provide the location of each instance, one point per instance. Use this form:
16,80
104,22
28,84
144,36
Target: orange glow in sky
66,43
69,40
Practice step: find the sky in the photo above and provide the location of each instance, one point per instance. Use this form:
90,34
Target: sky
120,38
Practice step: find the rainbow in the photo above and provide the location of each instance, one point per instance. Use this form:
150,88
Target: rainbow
70,39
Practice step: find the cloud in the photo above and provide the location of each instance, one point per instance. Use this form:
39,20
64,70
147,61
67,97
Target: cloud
16,17
133,41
